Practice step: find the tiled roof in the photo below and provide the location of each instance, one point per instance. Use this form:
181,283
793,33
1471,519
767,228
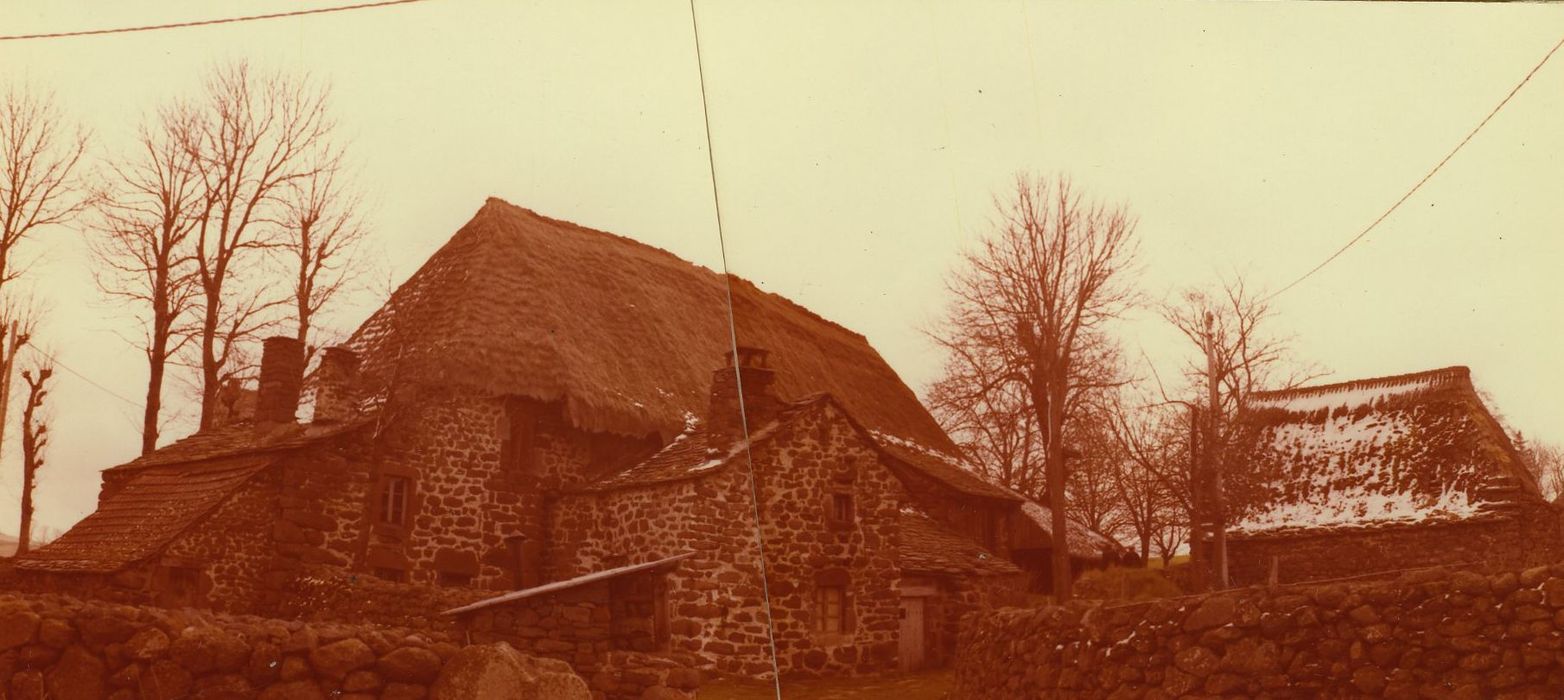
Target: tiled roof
942,467
696,452
623,334
928,548
148,512
1084,543
567,584
1405,449
240,439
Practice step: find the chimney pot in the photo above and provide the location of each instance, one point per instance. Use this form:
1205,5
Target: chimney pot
745,369
282,376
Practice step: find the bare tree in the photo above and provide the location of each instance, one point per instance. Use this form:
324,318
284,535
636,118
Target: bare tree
35,437
1091,487
1237,356
250,138
1030,307
39,187
997,430
1153,480
144,248
324,236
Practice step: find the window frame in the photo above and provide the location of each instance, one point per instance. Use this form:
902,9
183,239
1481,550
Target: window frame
389,501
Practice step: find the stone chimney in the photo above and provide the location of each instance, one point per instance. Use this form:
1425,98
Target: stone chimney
756,377
282,375
336,395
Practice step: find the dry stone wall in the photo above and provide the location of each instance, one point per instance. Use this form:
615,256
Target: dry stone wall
1432,633
54,647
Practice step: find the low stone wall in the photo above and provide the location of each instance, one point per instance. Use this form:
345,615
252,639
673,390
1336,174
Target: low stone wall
1432,633
1526,538
57,647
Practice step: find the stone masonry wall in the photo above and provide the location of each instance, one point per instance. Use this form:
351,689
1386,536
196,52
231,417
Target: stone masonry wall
1431,633
1313,556
57,647
809,459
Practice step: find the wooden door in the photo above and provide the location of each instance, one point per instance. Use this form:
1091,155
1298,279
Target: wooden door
912,633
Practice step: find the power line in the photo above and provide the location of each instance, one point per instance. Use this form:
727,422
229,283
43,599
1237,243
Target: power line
57,363
1420,183
208,22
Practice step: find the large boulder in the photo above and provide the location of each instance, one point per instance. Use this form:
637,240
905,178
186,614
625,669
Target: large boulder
498,672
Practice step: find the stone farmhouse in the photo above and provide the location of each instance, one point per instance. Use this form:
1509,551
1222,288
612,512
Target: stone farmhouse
1381,474
549,436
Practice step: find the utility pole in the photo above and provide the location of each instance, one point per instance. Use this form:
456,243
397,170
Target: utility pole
1213,454
1199,562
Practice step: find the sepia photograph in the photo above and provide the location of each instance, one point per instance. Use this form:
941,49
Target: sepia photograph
913,350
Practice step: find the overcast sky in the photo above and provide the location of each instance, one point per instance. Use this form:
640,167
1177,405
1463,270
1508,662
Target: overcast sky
857,150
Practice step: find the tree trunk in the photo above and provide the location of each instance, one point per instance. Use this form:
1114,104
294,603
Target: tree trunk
1056,501
156,361
209,370
1214,460
10,334
24,536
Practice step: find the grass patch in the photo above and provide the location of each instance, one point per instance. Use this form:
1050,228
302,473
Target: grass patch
1126,584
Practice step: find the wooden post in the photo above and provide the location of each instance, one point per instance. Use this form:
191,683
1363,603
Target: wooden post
1213,455
1198,561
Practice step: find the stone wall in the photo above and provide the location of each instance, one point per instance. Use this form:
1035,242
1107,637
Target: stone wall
812,458
1525,538
1431,633
53,646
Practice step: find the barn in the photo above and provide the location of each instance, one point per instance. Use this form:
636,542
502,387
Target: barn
1380,474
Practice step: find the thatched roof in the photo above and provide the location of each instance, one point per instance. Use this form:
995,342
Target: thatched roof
1410,448
624,334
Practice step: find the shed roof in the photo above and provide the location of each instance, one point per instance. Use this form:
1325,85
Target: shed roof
158,504
569,583
1409,448
624,334
1084,543
926,547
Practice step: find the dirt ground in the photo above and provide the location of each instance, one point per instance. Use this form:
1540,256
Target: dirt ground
929,685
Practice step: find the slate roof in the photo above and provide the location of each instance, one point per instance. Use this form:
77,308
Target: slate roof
154,507
623,334
569,583
697,452
241,439
1410,448
942,467
1084,543
926,547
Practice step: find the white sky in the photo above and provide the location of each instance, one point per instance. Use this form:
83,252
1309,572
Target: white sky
857,149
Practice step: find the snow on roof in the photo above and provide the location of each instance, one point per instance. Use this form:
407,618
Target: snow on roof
1407,449
568,583
1083,542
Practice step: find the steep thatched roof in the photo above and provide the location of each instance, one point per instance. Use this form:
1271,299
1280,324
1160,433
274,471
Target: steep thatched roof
1410,448
624,334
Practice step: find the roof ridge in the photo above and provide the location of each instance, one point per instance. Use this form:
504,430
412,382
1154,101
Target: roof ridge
1439,377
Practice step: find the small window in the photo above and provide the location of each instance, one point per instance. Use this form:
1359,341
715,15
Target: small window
393,500
842,508
452,578
390,574
830,609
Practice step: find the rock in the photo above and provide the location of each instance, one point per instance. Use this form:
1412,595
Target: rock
201,649
663,692
99,628
1553,592
1252,657
338,659
293,690
1213,612
164,680
27,685
147,644
358,681
294,668
403,691
54,633
410,665
78,675
17,627
1196,661
228,686
498,672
